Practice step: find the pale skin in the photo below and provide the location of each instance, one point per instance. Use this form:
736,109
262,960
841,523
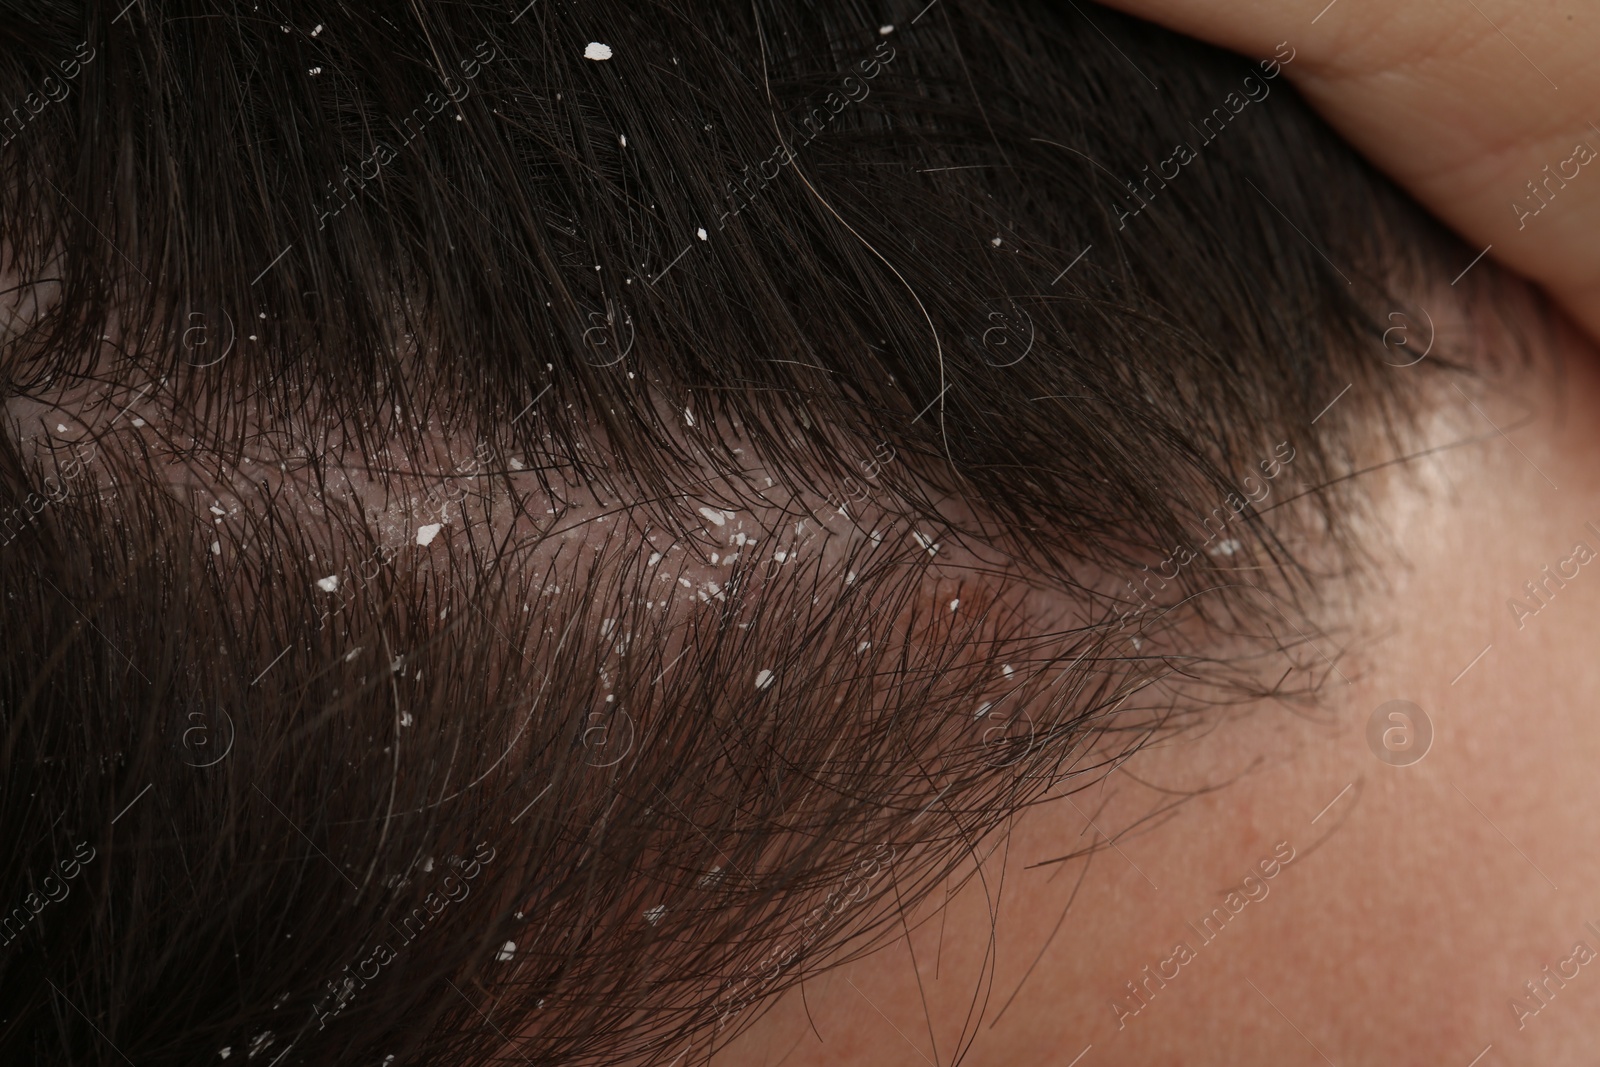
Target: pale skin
1422,898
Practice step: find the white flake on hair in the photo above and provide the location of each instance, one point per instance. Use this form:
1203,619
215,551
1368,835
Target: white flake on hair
507,950
653,915
329,584
763,679
597,51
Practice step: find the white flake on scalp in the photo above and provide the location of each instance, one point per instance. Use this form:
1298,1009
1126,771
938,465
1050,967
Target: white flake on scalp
426,534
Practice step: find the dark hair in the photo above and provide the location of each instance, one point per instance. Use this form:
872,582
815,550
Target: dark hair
1040,290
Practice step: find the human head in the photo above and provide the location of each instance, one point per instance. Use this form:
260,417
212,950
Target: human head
703,471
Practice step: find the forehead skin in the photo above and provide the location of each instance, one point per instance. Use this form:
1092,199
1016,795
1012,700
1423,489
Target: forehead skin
1421,898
